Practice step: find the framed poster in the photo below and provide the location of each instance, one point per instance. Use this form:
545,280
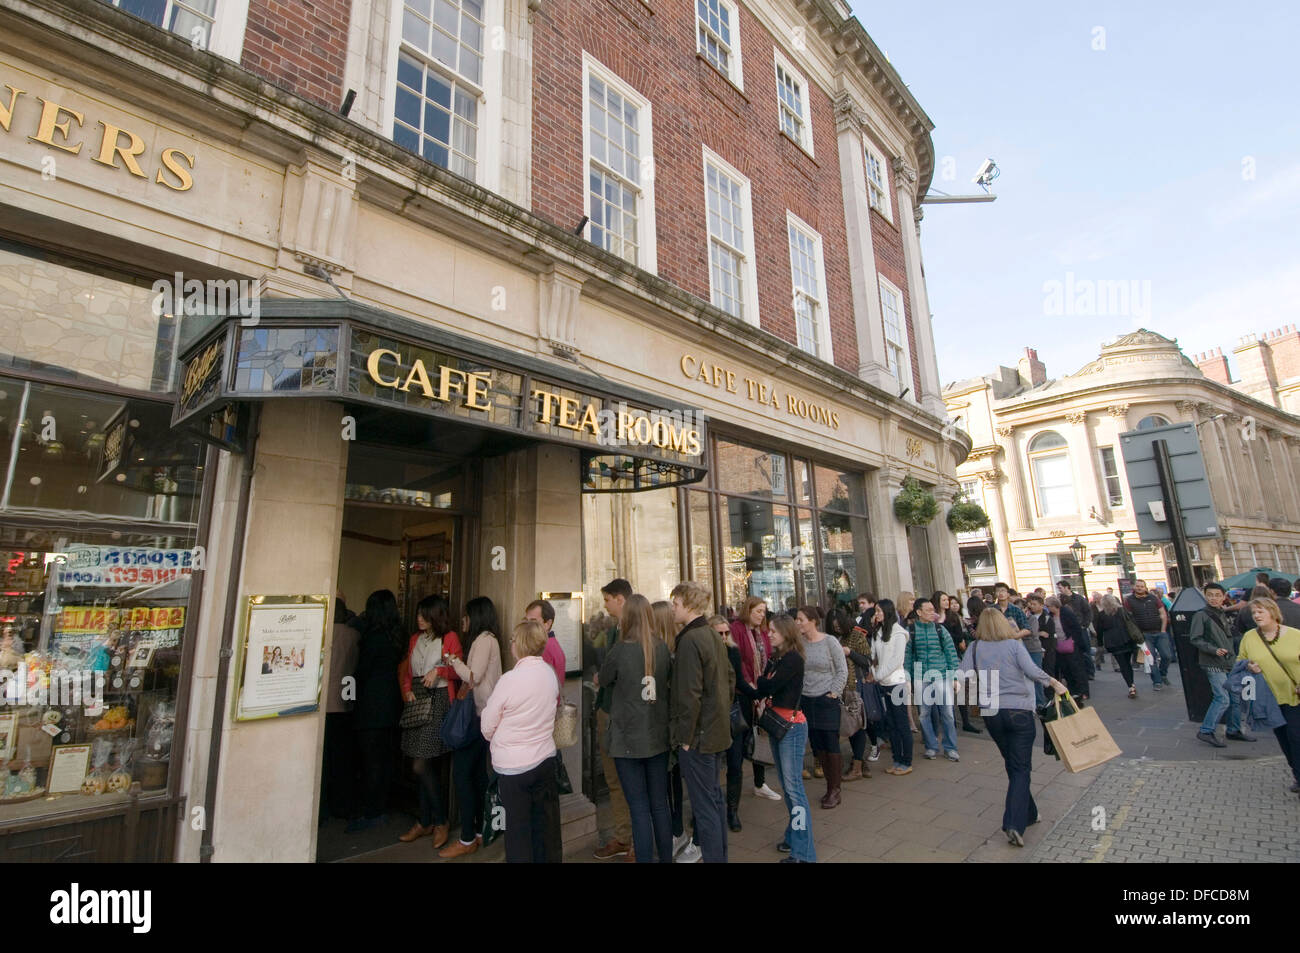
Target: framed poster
142,655
280,658
69,765
567,627
8,735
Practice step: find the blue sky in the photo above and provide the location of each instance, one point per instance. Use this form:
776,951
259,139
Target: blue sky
1131,163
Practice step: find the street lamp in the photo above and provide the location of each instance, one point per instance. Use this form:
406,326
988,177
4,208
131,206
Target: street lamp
1125,565
1079,551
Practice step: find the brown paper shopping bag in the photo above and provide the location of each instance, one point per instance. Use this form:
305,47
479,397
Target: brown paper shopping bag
1081,739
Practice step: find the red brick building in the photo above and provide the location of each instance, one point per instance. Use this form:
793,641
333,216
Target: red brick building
545,293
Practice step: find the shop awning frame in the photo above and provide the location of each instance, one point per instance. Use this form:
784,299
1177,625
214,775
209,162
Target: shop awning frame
353,353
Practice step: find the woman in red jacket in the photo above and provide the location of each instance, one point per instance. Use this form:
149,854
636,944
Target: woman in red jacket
422,675
750,633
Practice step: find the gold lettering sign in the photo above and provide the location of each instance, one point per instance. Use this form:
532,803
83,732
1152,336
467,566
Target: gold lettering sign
914,448
630,427
760,392
60,127
471,387
199,368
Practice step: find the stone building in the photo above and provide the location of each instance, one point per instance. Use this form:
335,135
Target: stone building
1047,466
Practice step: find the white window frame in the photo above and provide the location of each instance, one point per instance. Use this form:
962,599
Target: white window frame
487,151
1034,456
805,141
1118,477
884,206
749,276
646,217
904,376
824,349
736,72
229,21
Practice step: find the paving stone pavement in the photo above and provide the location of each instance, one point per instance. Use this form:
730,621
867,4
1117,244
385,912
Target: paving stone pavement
1187,811
1195,802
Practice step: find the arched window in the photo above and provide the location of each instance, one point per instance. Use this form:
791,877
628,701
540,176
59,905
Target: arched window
1150,423
1049,461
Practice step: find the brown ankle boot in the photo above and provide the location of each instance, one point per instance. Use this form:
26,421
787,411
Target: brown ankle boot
833,765
855,771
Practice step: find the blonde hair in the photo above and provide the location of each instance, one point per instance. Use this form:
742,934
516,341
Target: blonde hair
638,625
665,624
529,638
714,620
693,596
1270,606
994,627
906,603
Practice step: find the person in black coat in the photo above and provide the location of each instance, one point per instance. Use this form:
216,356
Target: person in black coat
1072,668
378,706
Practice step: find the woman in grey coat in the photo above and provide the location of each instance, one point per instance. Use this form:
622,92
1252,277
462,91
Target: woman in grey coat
636,670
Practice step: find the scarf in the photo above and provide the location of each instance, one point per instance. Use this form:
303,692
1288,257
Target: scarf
754,652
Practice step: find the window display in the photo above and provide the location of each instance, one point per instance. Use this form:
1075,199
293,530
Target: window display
97,551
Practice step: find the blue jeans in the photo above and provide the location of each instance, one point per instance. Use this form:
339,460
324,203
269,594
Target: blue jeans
1163,649
1221,702
1039,696
645,785
1013,732
898,728
789,774
937,712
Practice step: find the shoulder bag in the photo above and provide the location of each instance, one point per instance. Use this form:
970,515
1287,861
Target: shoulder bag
461,725
853,716
775,726
1134,633
565,734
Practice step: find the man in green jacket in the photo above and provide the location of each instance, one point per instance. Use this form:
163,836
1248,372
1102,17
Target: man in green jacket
931,663
702,685
1211,633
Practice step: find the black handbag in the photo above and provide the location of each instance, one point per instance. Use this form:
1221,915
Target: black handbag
873,702
775,726
738,723
1050,710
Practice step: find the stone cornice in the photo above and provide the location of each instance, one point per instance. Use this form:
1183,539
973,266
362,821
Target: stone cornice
1021,410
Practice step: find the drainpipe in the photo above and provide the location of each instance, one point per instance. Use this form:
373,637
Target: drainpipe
228,635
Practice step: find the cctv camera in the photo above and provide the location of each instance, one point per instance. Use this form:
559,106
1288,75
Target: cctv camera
988,171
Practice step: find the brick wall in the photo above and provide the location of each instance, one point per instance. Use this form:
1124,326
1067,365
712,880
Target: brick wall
1214,366
299,45
693,105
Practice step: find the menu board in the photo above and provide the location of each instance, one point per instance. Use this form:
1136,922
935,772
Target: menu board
284,639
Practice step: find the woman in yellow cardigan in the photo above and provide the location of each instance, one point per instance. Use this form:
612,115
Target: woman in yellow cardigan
1272,650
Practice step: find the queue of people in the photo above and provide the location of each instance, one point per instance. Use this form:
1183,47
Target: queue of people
441,696
686,698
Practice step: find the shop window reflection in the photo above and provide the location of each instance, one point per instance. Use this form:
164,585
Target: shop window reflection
85,323
845,556
757,553
744,469
701,539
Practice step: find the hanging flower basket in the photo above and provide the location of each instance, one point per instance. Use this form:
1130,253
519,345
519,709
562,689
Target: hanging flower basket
967,517
915,505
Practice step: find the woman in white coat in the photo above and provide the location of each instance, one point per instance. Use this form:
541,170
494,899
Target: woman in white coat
888,650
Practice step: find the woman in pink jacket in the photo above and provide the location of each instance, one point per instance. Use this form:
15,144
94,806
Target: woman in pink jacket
519,721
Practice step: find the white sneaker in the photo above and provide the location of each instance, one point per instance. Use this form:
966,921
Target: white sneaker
766,792
952,756
874,755
680,841
690,855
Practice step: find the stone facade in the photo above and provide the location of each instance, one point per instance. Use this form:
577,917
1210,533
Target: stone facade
1251,452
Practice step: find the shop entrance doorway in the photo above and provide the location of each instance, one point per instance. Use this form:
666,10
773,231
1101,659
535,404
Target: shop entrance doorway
412,500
